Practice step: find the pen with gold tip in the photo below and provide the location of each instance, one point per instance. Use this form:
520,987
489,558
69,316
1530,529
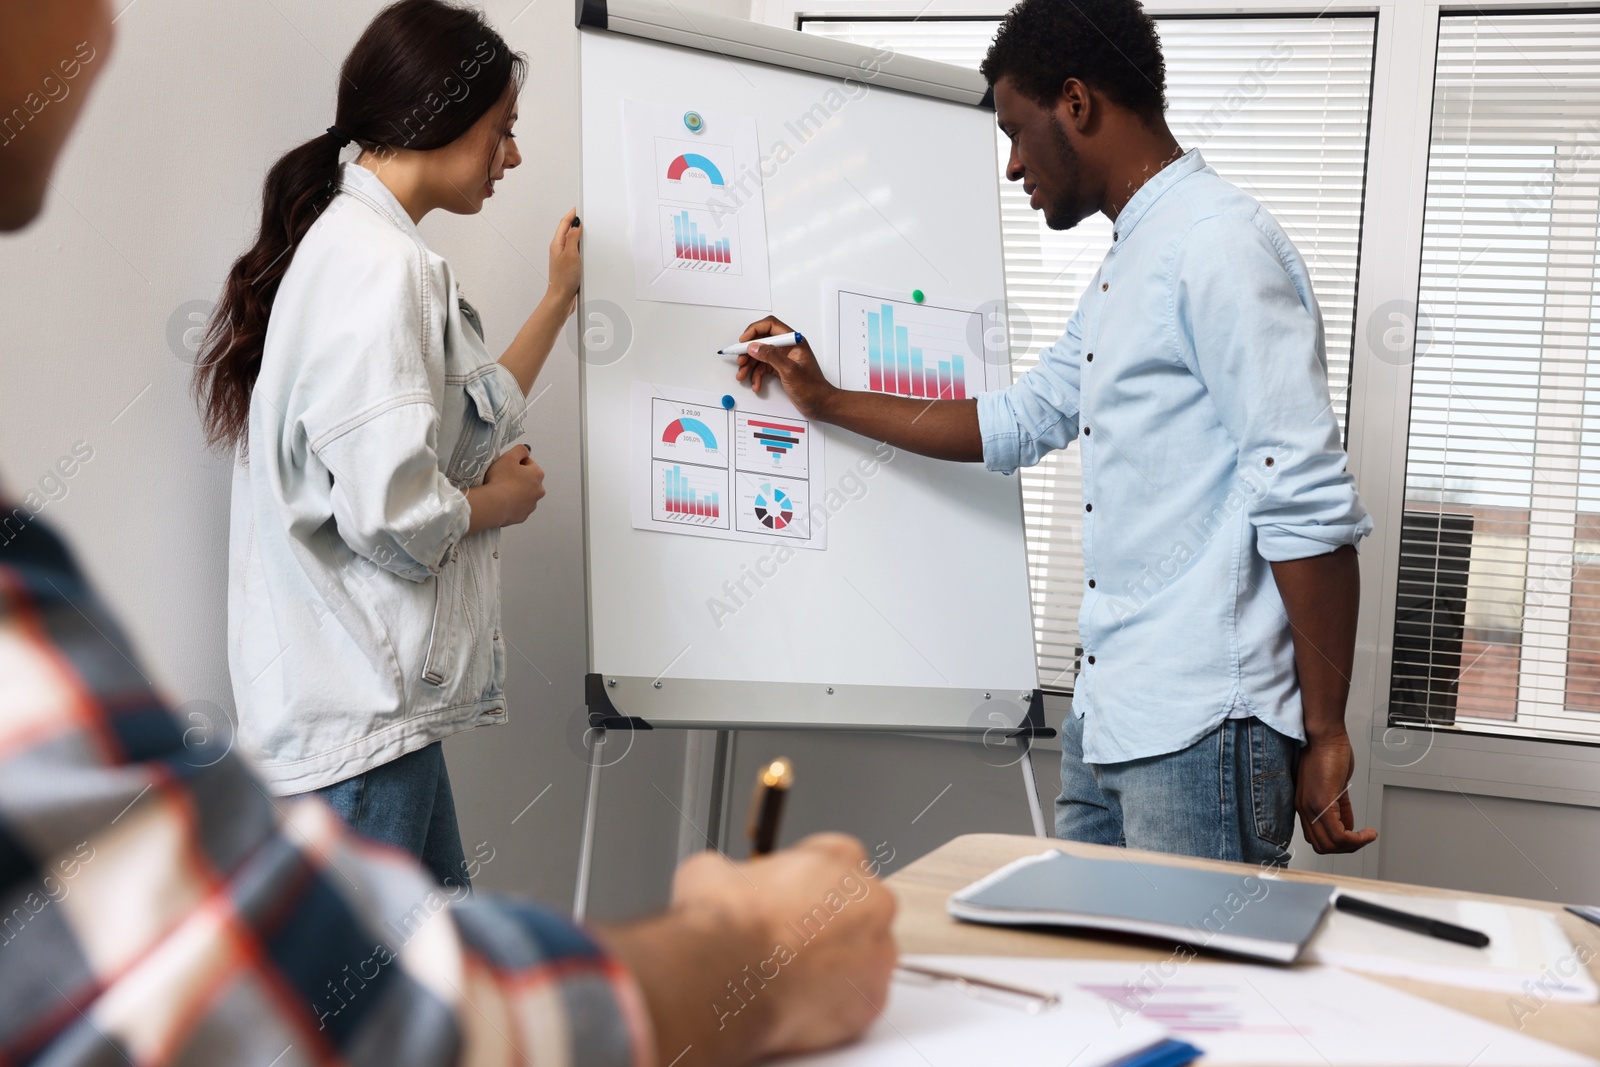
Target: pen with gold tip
766,805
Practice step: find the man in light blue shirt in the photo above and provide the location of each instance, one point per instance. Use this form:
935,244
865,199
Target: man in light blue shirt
1220,524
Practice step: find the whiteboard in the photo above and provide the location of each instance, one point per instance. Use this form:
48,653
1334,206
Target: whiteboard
916,615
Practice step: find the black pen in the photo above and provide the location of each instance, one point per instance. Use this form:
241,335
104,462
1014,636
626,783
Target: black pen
766,805
1420,924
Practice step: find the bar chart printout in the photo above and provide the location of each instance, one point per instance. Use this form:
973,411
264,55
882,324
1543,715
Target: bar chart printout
698,235
690,495
908,349
692,240
699,469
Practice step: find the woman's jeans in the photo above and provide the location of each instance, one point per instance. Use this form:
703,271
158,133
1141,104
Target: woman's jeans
406,803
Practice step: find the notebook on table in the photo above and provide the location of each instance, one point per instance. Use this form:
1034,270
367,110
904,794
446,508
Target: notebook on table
1245,914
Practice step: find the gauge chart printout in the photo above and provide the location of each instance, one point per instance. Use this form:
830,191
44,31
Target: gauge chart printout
934,350
700,470
695,207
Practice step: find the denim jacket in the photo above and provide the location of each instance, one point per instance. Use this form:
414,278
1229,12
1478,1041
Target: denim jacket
363,623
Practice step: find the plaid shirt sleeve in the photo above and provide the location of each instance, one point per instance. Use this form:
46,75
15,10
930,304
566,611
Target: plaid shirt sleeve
158,907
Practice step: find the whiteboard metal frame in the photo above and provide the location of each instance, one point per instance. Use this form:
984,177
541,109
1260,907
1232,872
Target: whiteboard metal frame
724,35
807,706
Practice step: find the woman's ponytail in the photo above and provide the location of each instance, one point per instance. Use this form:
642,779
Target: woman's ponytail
423,74
298,187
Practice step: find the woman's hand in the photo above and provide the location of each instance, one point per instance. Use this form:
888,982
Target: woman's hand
528,352
511,490
566,261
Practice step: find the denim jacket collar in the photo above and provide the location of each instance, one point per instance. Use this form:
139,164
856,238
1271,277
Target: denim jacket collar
364,185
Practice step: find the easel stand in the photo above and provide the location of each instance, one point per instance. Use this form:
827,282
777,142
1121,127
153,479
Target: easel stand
715,747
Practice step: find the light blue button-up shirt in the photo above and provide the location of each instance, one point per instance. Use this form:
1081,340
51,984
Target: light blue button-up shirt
1194,377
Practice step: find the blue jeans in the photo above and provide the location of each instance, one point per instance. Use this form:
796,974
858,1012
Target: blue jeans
1228,796
406,803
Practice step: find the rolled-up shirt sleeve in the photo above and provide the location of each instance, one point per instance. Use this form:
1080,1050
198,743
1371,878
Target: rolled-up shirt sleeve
1255,341
510,406
1039,413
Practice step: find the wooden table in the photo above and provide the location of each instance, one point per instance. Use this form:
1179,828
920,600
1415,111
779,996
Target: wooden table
923,926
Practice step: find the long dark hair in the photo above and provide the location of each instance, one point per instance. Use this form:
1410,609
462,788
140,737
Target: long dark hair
423,73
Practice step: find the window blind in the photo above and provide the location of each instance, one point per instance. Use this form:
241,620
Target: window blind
1279,107
1504,438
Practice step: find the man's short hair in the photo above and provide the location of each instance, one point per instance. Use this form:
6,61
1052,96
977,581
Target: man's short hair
1109,45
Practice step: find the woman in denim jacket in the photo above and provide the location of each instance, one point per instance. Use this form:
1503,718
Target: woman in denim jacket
373,437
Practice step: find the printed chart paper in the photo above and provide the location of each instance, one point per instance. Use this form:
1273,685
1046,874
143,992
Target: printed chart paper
940,349
742,475
1234,1013
695,207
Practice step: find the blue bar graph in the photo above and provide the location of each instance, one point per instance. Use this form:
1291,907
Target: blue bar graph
895,366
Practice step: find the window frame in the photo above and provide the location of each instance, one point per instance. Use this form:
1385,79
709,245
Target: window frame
1465,759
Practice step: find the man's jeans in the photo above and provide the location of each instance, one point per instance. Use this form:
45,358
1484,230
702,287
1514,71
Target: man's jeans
1228,796
406,803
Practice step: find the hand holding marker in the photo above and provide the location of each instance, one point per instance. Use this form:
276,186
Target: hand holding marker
782,340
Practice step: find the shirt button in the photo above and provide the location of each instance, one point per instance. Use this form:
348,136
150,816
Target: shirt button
1104,286
1091,583
1088,507
1086,431
1090,357
1115,236
496,555
497,635
1091,660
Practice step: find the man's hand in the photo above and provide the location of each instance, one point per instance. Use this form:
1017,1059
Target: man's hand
795,368
829,988
1322,799
1322,596
787,953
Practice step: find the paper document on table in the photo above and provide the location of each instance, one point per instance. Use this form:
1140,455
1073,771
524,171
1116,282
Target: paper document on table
1526,947
934,1024
1248,1014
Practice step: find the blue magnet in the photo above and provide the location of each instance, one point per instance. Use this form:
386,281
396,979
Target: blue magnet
693,121
727,402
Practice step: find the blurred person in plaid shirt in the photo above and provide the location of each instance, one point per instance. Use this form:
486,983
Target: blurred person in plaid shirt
157,906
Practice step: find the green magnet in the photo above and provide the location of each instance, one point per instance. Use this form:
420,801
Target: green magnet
916,294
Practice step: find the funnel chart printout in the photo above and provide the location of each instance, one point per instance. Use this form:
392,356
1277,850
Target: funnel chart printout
700,470
695,206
